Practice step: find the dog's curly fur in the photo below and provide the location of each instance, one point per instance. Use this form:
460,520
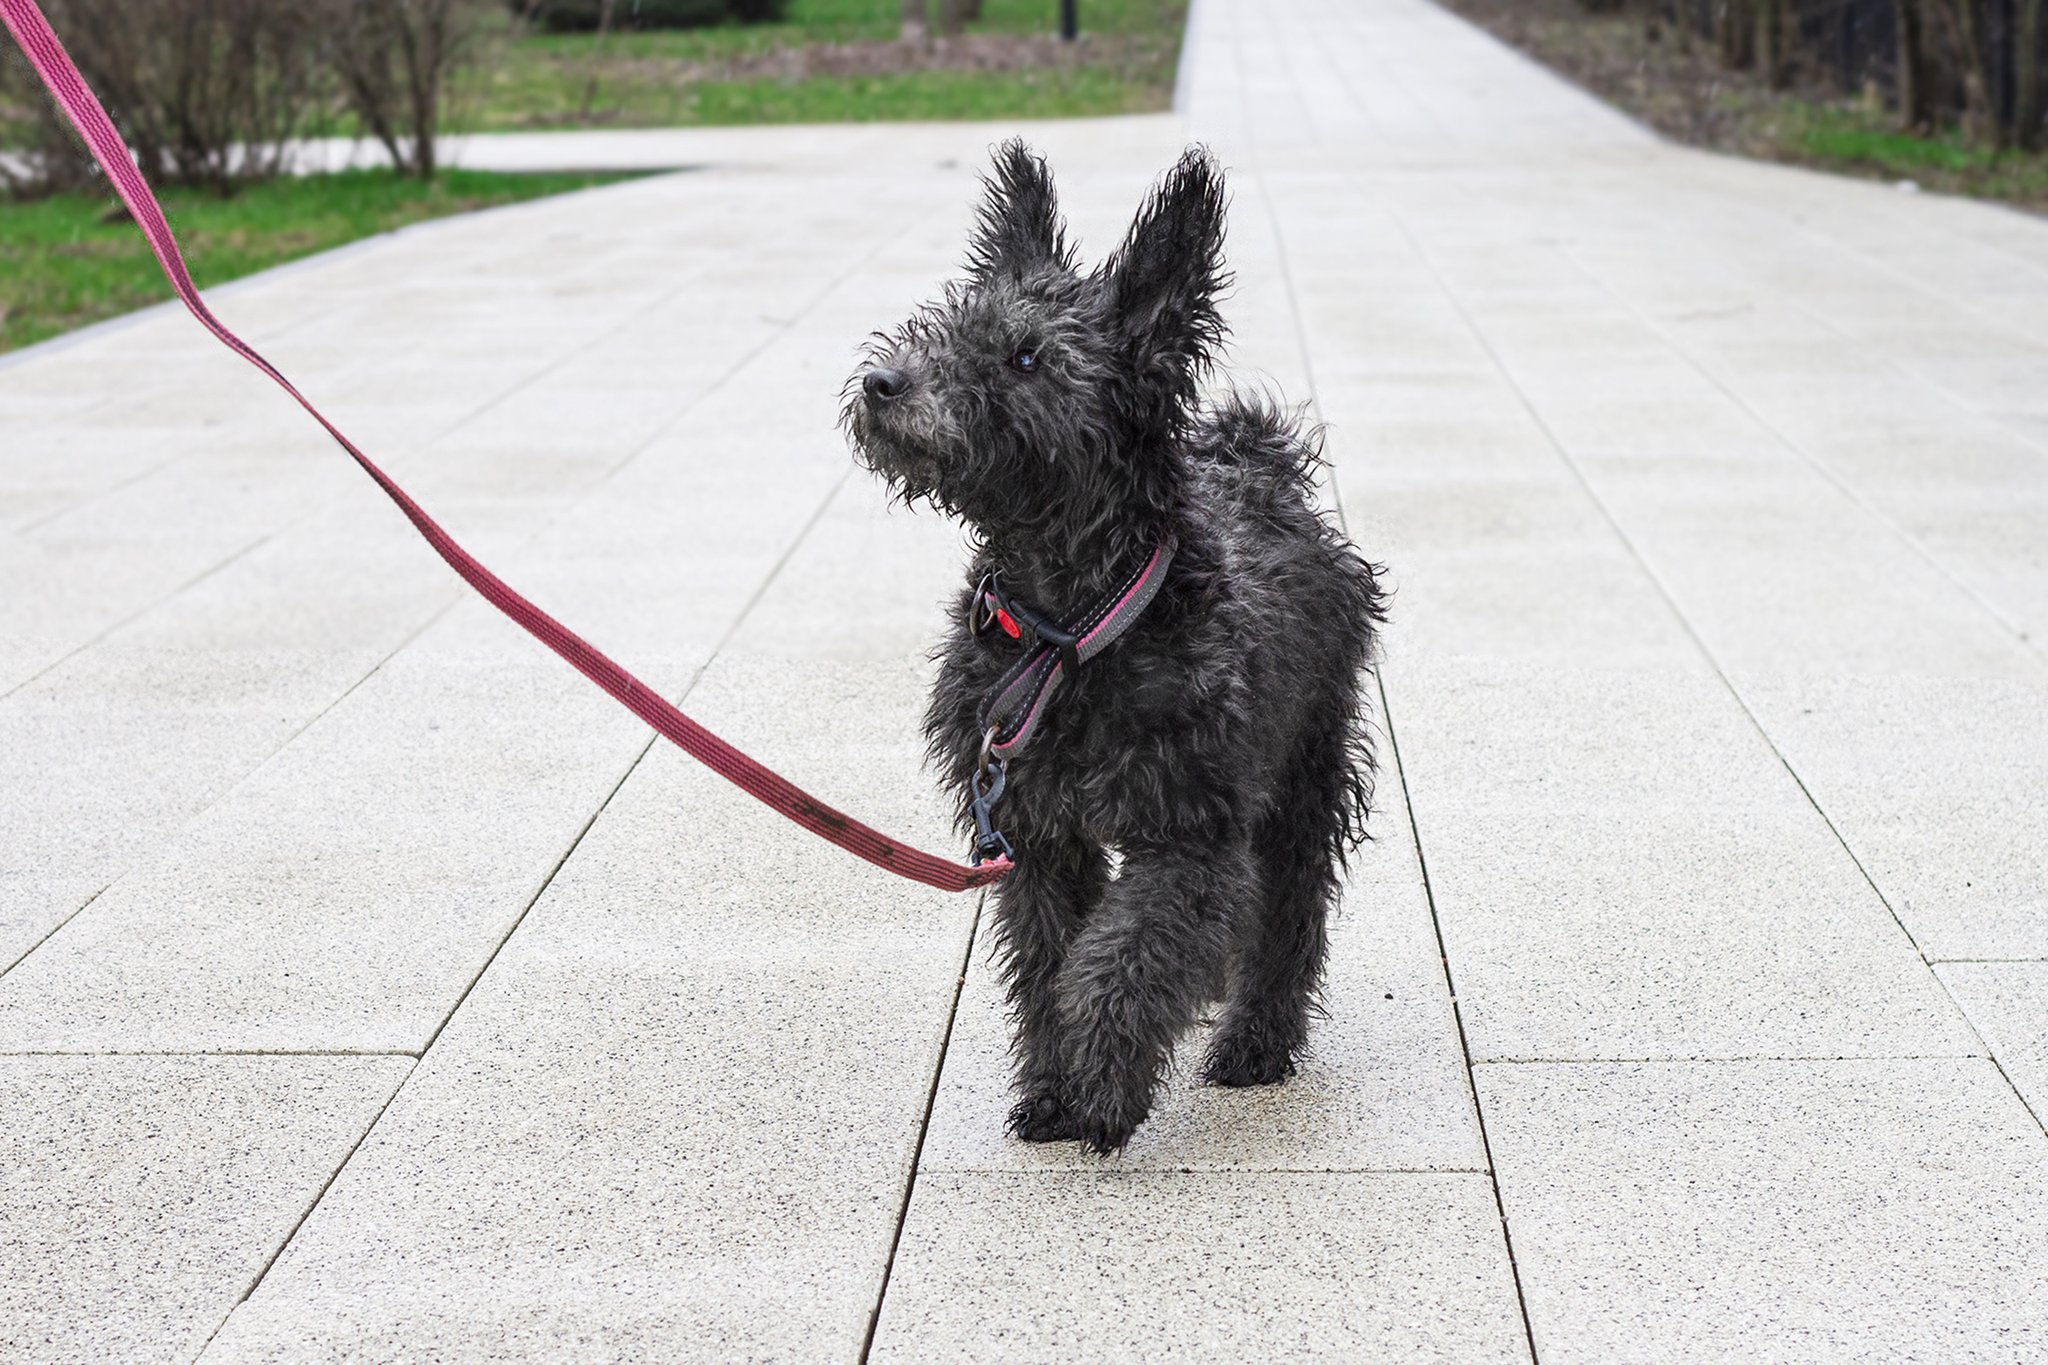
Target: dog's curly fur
1221,748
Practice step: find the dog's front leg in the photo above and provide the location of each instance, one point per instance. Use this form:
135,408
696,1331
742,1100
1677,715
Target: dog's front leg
1138,972
1039,908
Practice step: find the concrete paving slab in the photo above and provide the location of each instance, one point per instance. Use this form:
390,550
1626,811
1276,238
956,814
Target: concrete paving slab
142,1197
1145,1266
1773,1211
1637,876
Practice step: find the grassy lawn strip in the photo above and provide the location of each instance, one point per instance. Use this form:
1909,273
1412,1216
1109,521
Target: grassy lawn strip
1124,63
1857,140
63,264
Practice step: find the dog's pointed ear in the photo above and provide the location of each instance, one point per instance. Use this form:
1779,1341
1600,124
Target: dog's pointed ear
1164,279
1019,226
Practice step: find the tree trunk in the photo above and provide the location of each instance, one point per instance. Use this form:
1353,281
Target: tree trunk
1980,105
393,57
952,15
1916,91
1737,33
604,28
916,23
1773,42
2026,74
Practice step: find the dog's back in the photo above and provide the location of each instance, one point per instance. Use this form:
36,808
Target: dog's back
1312,600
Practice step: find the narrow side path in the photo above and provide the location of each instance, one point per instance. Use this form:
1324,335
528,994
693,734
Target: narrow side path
1713,496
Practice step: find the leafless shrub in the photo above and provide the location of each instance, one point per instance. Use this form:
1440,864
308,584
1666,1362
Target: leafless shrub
38,154
206,92
393,59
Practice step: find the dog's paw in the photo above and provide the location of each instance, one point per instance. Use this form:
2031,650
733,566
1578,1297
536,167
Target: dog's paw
1237,1064
1041,1118
1105,1138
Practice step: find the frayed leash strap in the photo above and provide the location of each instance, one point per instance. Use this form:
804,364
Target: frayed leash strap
1018,698
54,65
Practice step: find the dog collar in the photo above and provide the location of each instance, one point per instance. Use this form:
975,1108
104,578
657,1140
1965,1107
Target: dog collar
1011,709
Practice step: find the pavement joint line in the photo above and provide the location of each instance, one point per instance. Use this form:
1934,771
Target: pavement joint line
1821,467
1730,1061
1842,246
455,597
924,1127
120,485
343,373
148,607
307,1212
668,424
1392,77
1326,474
739,618
1507,1235
1108,1172
211,1052
1712,661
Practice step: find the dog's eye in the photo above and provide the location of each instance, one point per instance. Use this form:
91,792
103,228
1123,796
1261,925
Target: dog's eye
1025,361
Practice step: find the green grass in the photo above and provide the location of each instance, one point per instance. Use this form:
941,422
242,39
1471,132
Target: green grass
1858,140
641,80
1831,140
63,265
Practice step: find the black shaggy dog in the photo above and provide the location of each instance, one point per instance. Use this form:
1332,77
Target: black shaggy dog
1218,748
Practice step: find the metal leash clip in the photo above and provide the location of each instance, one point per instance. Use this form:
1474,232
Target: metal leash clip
988,841
981,608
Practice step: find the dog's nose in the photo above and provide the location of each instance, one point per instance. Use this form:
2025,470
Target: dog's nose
883,384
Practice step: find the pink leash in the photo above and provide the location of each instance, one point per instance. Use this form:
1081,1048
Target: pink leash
26,22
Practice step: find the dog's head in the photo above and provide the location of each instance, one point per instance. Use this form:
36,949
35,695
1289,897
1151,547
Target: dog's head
1033,396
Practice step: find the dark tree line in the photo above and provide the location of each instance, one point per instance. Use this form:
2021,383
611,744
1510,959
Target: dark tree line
1977,63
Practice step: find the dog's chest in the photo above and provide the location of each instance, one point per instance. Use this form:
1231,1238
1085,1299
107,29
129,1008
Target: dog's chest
1117,751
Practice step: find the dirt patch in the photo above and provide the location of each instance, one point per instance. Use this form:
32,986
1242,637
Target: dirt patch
969,52
1665,75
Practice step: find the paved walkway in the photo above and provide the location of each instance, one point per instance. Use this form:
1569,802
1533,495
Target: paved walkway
375,991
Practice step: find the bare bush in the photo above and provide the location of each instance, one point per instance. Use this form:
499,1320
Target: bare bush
393,59
206,92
